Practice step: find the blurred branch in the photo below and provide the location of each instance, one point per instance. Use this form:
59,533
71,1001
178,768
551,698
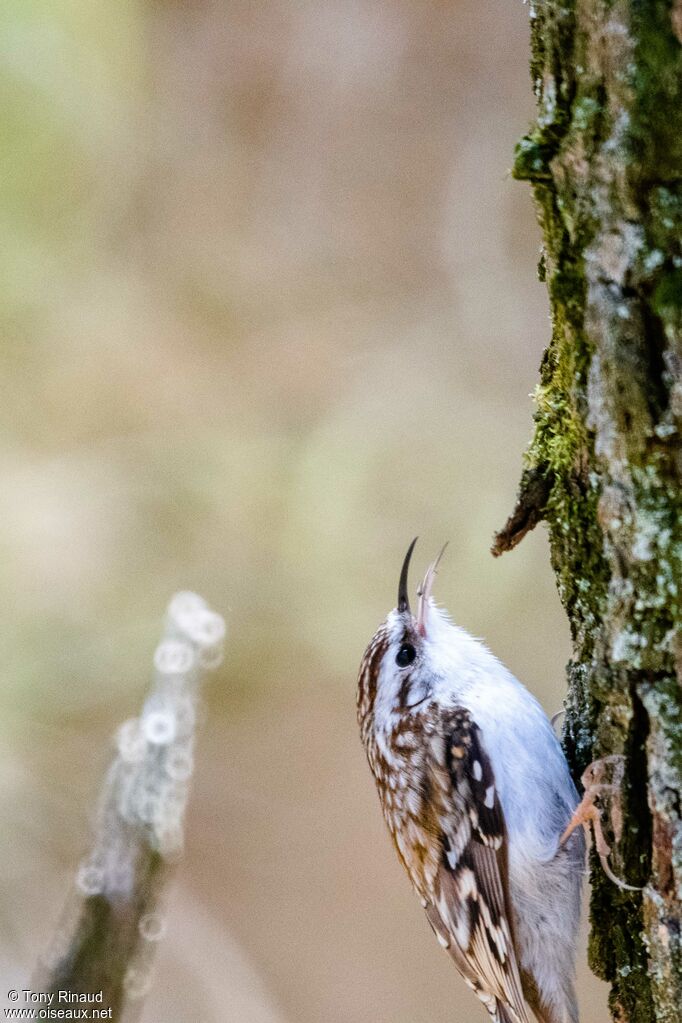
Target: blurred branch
104,947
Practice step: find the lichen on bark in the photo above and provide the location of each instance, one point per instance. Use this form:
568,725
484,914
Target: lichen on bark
604,158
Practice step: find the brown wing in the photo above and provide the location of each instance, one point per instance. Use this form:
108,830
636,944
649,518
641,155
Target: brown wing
470,911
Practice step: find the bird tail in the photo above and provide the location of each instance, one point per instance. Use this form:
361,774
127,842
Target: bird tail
565,1013
503,1014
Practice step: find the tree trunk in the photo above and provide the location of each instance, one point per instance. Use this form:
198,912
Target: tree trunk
603,469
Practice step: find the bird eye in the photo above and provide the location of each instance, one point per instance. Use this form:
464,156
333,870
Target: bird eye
405,655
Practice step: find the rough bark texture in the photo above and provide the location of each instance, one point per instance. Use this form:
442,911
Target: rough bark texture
605,161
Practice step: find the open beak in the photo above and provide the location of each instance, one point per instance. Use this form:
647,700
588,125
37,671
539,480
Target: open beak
403,598
424,592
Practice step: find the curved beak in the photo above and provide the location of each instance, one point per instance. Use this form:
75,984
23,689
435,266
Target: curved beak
403,598
424,592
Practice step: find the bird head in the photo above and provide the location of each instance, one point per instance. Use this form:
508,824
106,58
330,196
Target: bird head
401,663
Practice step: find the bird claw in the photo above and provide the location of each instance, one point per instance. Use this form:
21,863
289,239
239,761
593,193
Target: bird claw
593,780
555,717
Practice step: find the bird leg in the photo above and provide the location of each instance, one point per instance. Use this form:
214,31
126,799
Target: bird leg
587,813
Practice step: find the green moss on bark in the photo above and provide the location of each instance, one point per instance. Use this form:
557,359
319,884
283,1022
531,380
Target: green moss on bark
604,159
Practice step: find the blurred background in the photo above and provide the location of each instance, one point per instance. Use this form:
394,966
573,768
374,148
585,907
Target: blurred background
269,309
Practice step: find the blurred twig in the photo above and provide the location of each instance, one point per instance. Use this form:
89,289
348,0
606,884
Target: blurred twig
104,947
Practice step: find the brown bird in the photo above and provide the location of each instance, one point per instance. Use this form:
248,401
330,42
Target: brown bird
476,793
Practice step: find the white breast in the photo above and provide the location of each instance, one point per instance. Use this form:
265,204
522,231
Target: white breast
531,774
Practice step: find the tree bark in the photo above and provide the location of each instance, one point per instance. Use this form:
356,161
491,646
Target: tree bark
603,469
